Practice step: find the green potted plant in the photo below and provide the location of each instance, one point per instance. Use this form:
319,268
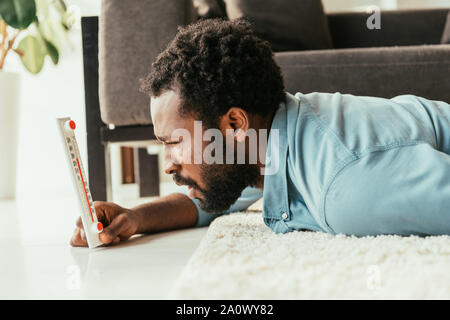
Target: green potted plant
33,30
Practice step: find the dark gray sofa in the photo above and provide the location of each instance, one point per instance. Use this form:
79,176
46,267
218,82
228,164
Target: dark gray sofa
403,57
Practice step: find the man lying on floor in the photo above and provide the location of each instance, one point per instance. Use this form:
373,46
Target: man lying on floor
334,163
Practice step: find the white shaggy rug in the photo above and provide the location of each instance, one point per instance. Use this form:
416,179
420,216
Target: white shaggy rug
241,258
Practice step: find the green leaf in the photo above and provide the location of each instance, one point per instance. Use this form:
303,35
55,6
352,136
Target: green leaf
18,13
47,46
52,51
33,58
53,30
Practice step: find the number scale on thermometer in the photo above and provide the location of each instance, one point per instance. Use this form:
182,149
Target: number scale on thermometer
90,223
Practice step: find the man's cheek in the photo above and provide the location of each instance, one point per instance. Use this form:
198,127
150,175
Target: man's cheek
182,153
195,152
176,155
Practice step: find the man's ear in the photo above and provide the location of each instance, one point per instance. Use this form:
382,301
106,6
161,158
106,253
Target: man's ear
236,119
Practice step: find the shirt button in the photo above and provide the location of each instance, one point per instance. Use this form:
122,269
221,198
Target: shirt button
284,215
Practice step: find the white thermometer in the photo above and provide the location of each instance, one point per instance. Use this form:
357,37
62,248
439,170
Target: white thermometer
90,223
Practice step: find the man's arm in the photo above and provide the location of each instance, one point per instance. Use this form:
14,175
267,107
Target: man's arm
171,212
175,211
179,211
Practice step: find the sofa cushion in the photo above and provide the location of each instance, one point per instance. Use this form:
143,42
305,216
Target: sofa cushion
398,28
382,72
286,24
131,34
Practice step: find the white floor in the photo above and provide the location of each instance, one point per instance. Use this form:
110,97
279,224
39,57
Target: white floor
38,263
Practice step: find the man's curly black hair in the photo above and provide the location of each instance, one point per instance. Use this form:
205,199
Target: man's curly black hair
217,64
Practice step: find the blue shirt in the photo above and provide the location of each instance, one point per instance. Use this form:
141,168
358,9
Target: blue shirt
356,165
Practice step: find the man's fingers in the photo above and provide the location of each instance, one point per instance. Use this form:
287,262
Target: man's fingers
112,231
79,223
76,240
100,207
115,225
106,211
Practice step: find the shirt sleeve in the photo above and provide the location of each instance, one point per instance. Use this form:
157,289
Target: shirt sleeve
249,196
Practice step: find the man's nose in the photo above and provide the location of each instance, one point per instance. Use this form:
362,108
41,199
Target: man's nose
171,167
171,164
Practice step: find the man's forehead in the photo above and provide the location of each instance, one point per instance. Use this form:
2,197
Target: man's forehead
166,102
165,115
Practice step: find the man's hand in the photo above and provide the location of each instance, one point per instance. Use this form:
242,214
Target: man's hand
171,212
118,224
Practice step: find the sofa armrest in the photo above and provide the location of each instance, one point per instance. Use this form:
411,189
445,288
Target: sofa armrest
398,28
382,72
131,35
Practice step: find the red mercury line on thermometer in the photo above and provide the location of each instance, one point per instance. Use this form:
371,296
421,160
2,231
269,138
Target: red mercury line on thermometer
85,192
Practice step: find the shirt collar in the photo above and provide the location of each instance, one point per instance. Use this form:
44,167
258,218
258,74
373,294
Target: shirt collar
275,189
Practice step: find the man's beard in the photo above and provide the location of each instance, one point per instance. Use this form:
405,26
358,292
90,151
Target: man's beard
224,184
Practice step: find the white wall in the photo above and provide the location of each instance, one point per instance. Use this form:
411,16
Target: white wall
57,91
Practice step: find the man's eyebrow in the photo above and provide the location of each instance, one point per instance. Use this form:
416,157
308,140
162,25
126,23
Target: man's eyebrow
163,138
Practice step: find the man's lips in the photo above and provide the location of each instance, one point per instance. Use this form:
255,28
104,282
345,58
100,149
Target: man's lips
192,191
